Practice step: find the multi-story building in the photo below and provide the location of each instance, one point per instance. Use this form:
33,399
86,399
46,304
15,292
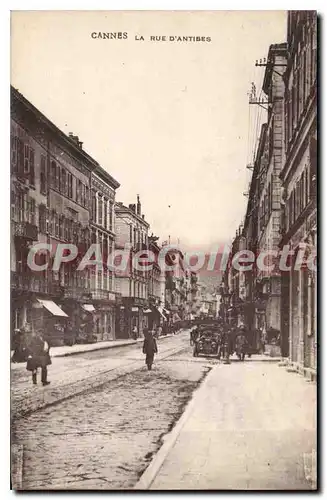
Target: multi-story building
50,204
176,285
255,299
268,282
193,294
299,177
208,302
132,283
104,296
156,287
235,283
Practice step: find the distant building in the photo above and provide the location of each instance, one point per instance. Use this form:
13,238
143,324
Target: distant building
103,188
131,229
156,278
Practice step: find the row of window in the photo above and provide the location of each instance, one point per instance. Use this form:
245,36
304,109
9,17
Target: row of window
23,208
22,159
70,278
137,289
105,281
67,184
61,227
302,79
303,192
137,237
23,164
102,211
266,207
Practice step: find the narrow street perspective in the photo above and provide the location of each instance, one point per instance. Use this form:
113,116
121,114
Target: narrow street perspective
246,426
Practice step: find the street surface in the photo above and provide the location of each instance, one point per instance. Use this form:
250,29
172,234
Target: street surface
103,438
72,375
253,428
102,420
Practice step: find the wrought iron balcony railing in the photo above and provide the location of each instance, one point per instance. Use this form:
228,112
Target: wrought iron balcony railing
25,230
34,283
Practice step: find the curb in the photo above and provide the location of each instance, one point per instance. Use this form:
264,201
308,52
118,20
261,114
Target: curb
102,348
293,367
53,402
97,348
170,439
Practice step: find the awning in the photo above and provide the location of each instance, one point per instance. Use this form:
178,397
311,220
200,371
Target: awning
147,311
53,308
160,311
164,313
88,307
135,309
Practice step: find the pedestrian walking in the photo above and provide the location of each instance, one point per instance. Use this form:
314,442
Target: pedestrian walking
240,345
149,348
159,331
135,332
38,357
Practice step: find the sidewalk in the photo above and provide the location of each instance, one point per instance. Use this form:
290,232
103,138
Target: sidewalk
249,426
65,350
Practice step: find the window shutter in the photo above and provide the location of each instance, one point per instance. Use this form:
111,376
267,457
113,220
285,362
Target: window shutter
26,159
20,156
32,166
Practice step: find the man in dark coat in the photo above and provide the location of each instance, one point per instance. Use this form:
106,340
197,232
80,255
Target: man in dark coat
38,357
149,348
20,353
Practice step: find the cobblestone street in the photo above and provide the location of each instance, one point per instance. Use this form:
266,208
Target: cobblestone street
72,375
252,424
104,437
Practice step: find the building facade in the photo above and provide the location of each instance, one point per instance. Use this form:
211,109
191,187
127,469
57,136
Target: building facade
132,283
50,205
268,282
299,178
156,277
104,296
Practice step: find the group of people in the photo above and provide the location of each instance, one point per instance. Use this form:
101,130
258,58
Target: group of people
231,340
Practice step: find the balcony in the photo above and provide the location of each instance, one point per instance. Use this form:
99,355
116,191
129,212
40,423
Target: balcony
104,295
135,301
28,283
34,283
76,292
25,230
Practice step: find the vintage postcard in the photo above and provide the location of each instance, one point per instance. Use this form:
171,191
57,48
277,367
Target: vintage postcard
163,176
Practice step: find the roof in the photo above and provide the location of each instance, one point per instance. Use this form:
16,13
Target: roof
65,139
275,49
121,208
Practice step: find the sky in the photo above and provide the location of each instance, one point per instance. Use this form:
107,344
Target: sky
169,120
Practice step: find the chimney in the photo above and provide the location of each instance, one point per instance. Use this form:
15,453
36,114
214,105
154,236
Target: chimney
142,216
138,206
75,138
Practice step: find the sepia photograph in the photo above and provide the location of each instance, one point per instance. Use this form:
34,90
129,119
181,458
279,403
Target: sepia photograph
163,250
